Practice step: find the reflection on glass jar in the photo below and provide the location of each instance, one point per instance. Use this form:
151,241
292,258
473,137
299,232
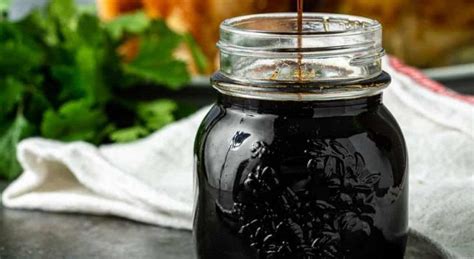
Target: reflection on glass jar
300,159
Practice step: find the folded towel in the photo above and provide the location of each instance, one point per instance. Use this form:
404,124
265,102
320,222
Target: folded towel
151,180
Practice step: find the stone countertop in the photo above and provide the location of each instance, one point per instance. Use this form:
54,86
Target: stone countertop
35,234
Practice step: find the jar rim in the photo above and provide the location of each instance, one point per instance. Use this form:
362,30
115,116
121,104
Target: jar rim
322,34
235,25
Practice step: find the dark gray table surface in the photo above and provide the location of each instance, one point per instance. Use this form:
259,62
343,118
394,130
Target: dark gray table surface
35,234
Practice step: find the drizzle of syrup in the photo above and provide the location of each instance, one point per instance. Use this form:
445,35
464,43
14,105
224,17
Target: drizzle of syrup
300,38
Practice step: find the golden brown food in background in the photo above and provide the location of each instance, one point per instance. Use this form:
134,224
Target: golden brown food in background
423,33
109,9
157,9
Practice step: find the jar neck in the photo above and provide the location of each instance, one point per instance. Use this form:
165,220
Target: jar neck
300,108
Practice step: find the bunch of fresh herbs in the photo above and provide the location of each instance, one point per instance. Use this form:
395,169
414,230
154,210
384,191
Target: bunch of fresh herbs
61,77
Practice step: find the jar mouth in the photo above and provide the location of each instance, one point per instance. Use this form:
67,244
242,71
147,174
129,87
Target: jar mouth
322,34
286,24
332,49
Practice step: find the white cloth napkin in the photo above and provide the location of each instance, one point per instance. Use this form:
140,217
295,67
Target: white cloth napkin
151,180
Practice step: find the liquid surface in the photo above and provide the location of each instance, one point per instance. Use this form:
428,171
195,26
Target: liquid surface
300,180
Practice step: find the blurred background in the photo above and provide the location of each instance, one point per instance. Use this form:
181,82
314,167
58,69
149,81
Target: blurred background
425,33
437,36
110,71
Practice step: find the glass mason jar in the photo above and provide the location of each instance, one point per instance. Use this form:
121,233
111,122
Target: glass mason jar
299,158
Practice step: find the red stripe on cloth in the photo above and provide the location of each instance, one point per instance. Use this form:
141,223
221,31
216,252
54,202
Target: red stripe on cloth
427,83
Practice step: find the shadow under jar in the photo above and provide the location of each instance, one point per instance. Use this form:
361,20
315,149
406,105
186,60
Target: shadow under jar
299,158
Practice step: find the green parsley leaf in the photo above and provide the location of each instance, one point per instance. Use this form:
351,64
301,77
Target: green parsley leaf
81,74
64,11
133,23
25,58
75,120
10,94
129,134
36,103
89,8
10,136
89,31
90,76
155,61
19,55
81,64
172,74
4,6
157,114
42,28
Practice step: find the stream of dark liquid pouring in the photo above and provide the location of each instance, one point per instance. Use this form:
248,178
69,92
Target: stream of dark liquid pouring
300,38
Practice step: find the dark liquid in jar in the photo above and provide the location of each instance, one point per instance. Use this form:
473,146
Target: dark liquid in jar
300,179
296,179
